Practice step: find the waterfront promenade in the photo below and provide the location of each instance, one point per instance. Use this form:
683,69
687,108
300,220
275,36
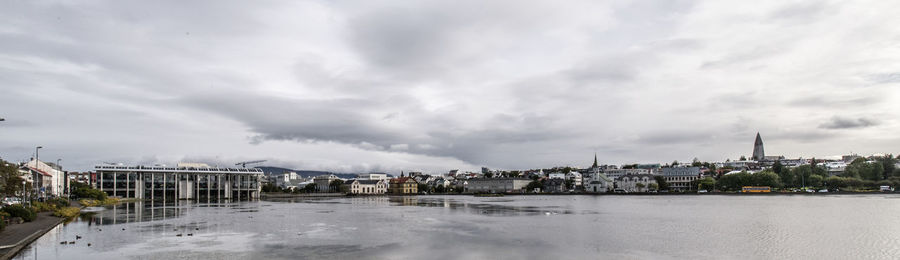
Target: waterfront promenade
14,237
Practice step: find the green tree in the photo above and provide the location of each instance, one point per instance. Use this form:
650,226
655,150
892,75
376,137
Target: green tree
778,168
639,186
707,183
864,170
743,158
570,184
335,185
735,181
888,165
535,184
815,181
661,182
310,188
765,178
653,186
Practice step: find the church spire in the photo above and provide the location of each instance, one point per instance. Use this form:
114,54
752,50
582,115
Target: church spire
595,161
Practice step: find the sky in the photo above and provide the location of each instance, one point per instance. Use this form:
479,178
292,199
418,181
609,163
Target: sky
362,86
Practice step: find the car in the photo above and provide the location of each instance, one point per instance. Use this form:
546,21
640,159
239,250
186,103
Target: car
620,191
11,201
823,190
701,191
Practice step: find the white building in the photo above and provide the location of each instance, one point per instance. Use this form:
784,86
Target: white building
576,178
635,183
557,175
680,178
616,173
52,181
195,182
598,183
357,186
373,176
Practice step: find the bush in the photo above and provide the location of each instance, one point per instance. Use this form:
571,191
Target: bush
23,212
67,212
38,206
59,202
88,193
3,217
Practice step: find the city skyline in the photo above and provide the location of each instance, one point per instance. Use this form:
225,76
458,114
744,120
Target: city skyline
389,86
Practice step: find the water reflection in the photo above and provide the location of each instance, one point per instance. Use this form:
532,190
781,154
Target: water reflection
454,227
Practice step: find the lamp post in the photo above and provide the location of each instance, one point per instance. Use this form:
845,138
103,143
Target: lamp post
36,160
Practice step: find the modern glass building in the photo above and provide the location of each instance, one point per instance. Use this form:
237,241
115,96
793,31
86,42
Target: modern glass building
196,183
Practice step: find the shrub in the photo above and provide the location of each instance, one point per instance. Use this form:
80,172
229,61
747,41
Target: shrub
67,212
88,193
23,212
3,217
59,202
43,206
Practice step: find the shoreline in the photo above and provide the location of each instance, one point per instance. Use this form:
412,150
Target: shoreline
338,195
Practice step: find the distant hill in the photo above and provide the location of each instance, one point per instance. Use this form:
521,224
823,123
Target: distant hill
269,170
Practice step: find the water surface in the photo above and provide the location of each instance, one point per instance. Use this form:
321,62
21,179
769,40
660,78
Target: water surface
512,227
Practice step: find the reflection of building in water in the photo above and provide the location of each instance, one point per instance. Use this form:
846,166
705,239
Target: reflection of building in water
196,181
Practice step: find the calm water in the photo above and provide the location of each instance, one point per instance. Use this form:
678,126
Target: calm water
514,227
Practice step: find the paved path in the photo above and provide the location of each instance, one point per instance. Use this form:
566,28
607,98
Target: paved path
16,236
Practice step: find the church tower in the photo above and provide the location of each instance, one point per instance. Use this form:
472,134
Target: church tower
595,162
758,152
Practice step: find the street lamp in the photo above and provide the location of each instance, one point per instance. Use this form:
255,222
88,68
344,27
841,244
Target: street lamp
36,160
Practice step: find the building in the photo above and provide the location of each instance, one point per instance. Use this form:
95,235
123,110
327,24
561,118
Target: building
373,176
636,183
557,175
555,185
497,185
181,182
576,178
323,182
680,178
616,173
598,183
758,153
288,179
358,186
404,185
48,180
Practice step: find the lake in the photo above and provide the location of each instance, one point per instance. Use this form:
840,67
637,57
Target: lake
512,227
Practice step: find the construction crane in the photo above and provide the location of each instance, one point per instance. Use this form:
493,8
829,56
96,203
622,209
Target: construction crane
244,164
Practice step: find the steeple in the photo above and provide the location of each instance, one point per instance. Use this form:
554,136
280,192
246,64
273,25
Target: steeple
758,152
595,161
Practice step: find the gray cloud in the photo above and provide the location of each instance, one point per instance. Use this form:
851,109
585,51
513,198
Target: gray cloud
838,122
431,85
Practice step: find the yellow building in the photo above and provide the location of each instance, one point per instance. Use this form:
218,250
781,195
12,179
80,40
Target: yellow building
404,185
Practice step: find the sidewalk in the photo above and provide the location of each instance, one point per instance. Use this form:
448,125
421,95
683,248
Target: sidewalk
16,236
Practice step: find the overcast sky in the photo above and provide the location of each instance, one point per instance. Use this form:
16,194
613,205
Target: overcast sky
357,86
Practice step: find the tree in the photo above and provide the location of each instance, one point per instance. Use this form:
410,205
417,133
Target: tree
439,189
661,182
335,185
743,158
10,182
570,184
735,181
674,163
488,174
696,162
778,168
862,169
888,165
639,186
765,178
423,188
707,183
815,181
653,186
310,188
535,184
